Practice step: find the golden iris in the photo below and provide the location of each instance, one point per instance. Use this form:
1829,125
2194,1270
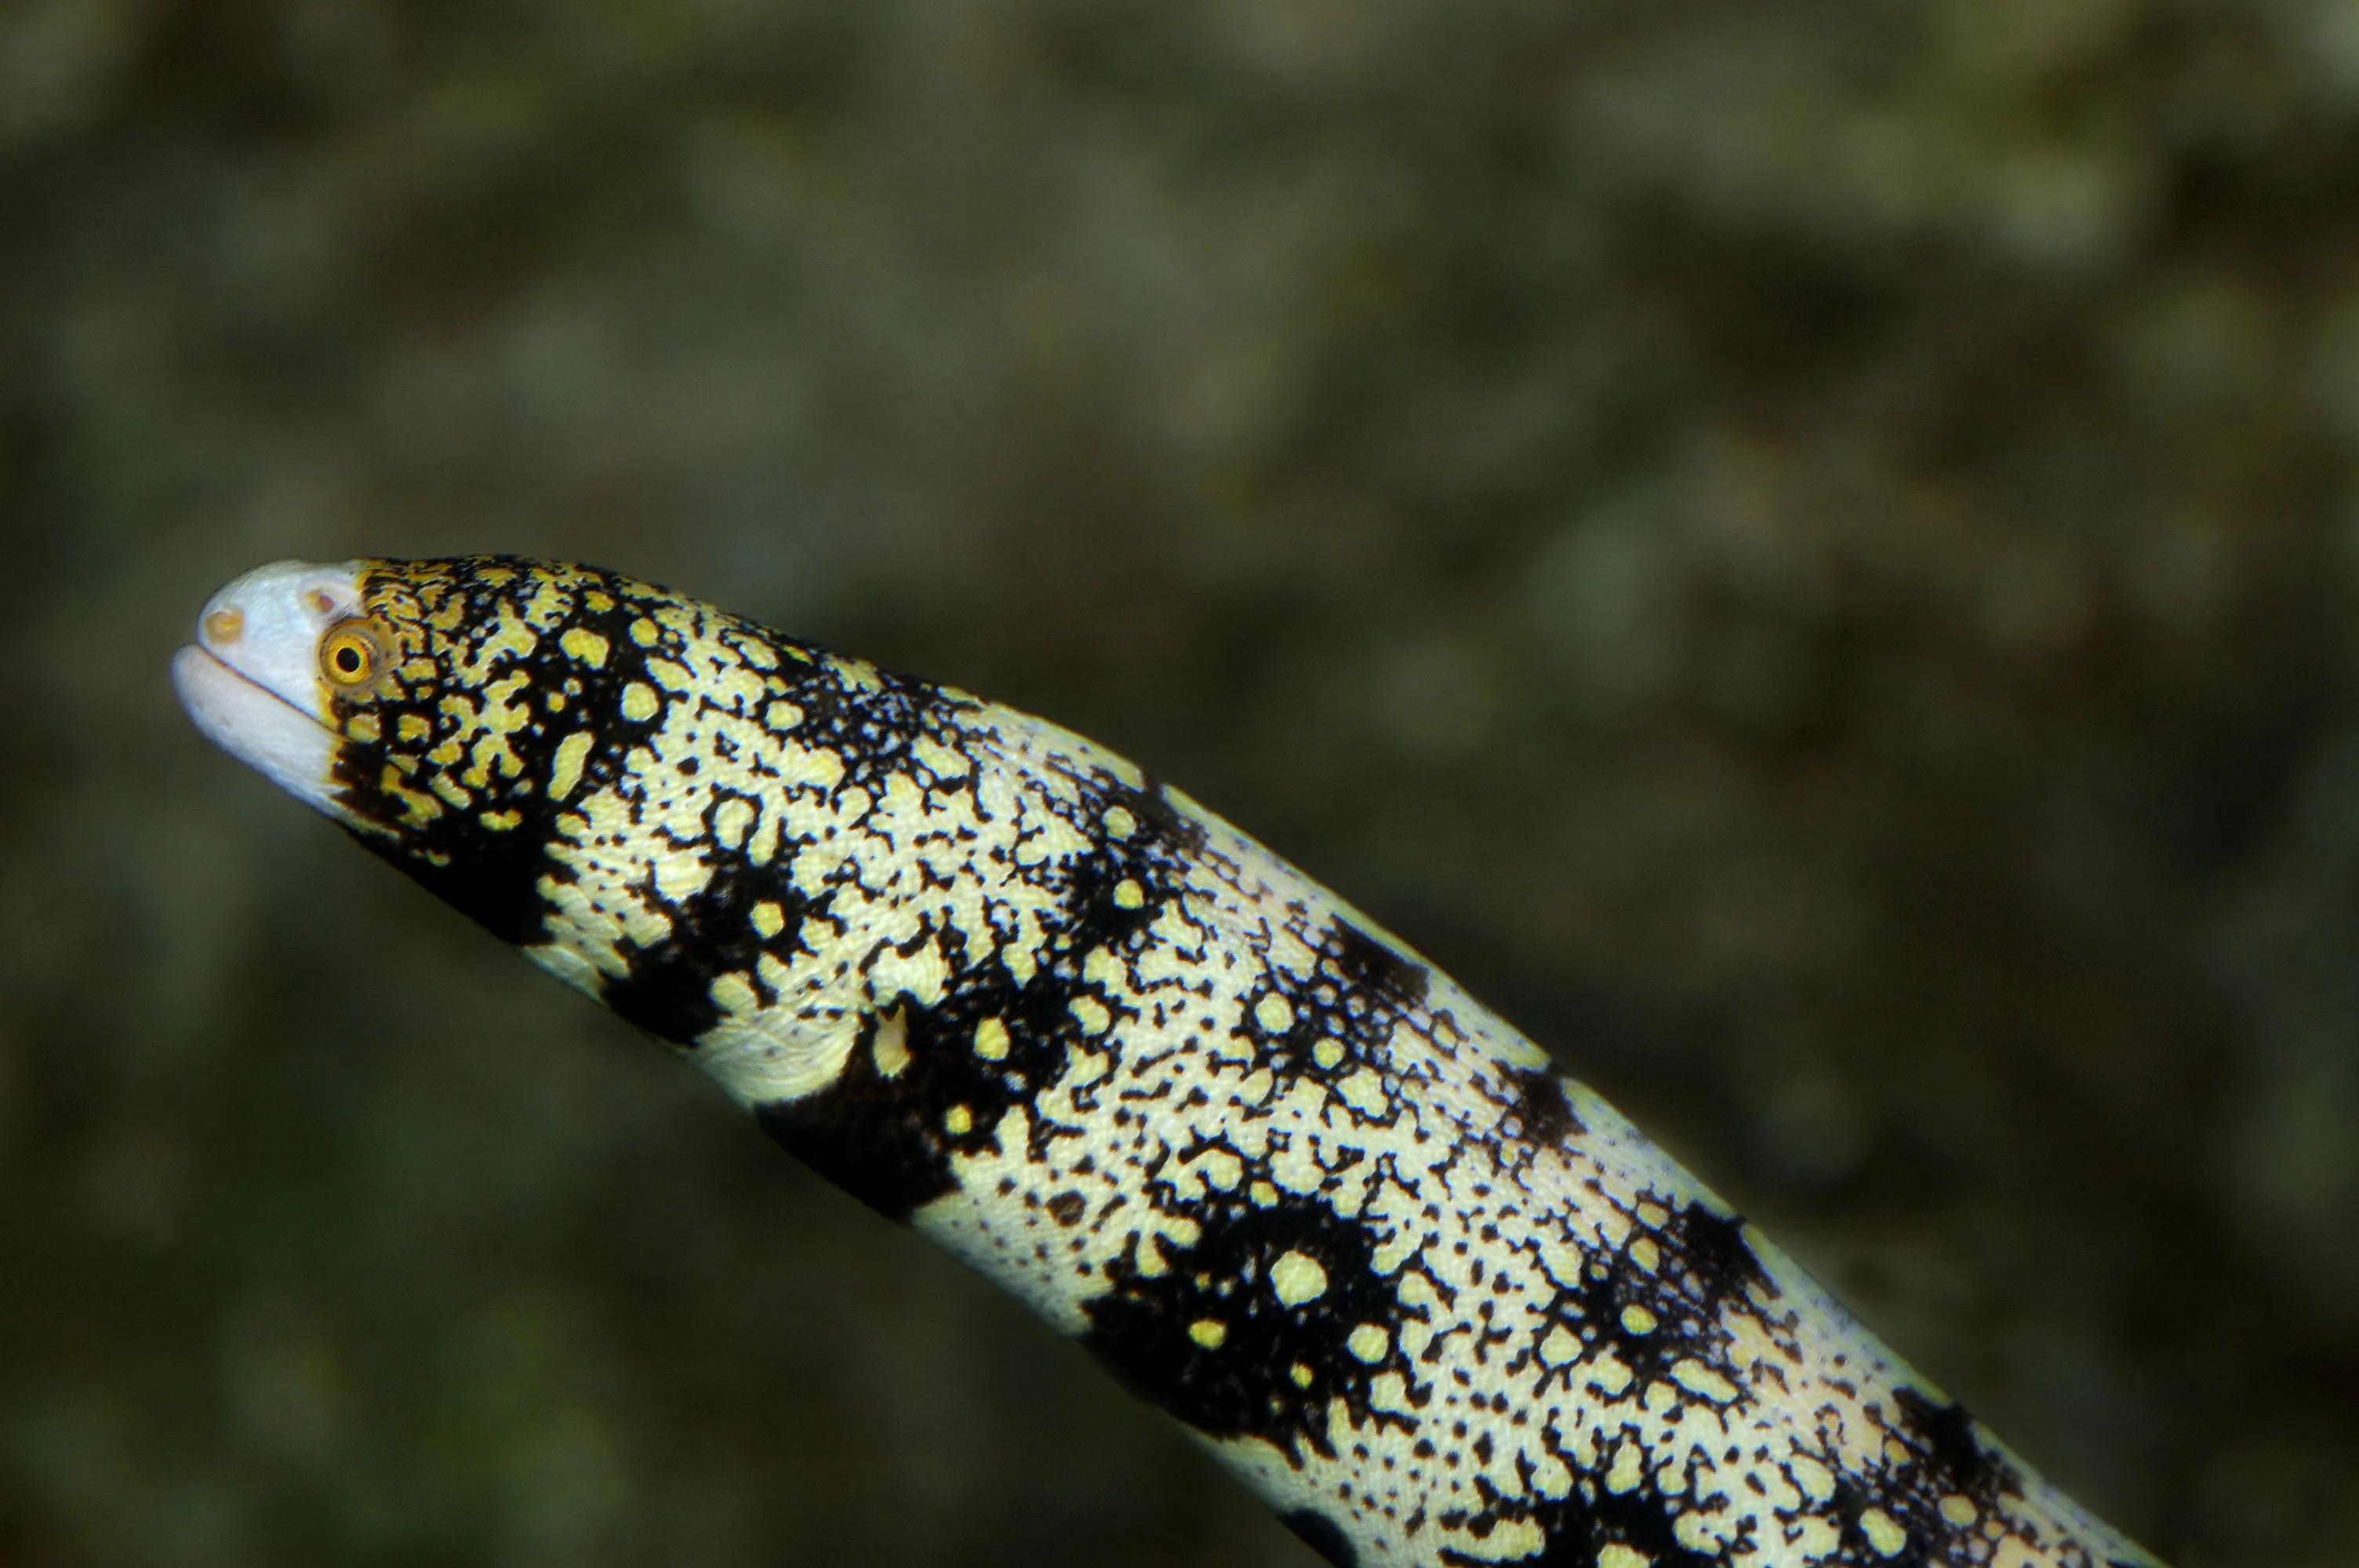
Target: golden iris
348,655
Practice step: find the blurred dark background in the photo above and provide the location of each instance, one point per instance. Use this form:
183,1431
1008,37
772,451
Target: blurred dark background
1807,552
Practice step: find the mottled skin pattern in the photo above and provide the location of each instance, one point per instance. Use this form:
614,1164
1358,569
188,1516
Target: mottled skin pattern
1439,1306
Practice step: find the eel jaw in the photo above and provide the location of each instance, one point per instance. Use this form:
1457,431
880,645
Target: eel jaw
251,680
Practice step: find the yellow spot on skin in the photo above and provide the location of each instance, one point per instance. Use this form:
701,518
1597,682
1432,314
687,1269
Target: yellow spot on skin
1209,1332
731,820
1958,1511
1275,1013
1264,1194
1327,1053
565,769
640,702
364,728
891,1049
1119,822
1092,1013
1560,1349
1653,1216
1883,1532
585,645
1369,1343
1297,1278
991,1040
1300,1374
1515,1541
768,919
643,633
944,762
1638,1320
1646,1254
959,1121
413,729
1629,1469
501,821
1812,1479
1695,1530
1128,894
226,625
734,996
1616,1555
448,788
1701,1381
1611,1376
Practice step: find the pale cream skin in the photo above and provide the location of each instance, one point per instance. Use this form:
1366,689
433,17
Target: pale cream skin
1436,1304
252,681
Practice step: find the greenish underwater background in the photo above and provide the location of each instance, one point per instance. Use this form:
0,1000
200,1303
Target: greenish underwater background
1807,552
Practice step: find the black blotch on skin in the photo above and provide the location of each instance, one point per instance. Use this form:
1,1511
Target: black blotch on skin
1954,1450
1703,1264
868,1135
872,729
491,878
666,993
1851,1504
1714,1255
1363,961
885,1141
1162,822
1322,1535
1577,1529
1357,991
1095,916
1245,1387
1154,855
1909,1491
1540,1106
669,989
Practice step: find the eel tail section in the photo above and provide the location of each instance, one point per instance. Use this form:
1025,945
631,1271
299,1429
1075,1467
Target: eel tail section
1434,1302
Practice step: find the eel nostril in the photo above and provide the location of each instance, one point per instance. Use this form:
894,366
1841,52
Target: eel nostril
226,625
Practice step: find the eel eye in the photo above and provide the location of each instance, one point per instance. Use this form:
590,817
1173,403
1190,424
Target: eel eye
348,656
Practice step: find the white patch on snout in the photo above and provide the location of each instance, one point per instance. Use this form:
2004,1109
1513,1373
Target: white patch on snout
291,749
251,682
266,626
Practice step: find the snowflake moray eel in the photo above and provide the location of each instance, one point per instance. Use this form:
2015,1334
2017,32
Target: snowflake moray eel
1436,1304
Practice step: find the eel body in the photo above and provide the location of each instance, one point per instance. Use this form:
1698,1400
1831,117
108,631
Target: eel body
1436,1303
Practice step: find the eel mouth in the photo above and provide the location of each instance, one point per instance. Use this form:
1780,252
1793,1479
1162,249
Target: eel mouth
258,727
251,680
187,674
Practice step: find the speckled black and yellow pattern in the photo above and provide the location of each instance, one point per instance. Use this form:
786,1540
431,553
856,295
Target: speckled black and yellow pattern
1439,1306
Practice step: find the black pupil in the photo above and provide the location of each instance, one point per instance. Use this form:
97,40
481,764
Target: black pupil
348,659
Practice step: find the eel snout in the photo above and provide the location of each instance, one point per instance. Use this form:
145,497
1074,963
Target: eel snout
254,680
